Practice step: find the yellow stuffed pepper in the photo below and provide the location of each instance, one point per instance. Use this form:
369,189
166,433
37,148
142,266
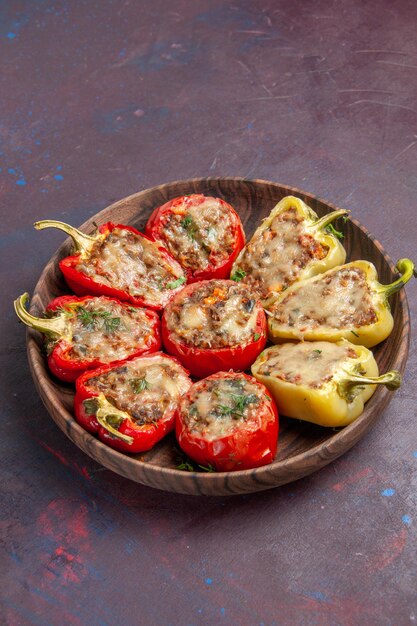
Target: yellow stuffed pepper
291,244
346,302
323,383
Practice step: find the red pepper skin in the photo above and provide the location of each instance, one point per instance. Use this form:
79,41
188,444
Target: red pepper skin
202,362
83,285
144,437
246,448
155,229
67,369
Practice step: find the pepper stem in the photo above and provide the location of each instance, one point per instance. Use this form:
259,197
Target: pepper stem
392,380
328,219
407,270
52,327
83,243
108,416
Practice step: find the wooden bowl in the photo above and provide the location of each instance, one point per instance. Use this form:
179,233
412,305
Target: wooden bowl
303,448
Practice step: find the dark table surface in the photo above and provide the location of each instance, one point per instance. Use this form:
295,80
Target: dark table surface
104,98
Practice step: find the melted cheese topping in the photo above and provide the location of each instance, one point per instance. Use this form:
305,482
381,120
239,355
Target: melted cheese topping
132,263
339,299
199,231
312,364
146,388
275,256
213,314
216,408
106,330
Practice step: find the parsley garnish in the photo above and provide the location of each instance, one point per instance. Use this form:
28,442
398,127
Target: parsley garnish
337,233
256,336
238,275
353,333
139,384
190,226
317,351
176,283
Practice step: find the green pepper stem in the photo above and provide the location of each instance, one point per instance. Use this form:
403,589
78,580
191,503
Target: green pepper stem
107,410
52,327
328,219
392,380
406,268
83,243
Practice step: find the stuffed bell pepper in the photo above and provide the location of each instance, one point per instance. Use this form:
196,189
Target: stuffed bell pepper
321,382
346,302
131,406
119,262
291,244
228,421
213,326
202,233
85,333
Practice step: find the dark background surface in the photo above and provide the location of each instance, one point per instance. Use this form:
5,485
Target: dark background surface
102,99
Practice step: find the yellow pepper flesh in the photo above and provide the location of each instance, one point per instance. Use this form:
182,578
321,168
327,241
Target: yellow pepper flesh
269,277
307,327
344,387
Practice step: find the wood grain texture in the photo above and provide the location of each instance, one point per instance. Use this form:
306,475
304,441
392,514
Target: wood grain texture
303,448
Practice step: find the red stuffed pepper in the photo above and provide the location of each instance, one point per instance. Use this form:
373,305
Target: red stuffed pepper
119,262
213,326
204,234
228,421
86,333
131,406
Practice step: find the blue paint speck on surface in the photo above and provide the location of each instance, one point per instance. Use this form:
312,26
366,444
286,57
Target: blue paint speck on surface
250,126
122,52
11,35
209,581
11,170
388,492
59,167
406,519
58,177
317,595
223,610
21,182
415,454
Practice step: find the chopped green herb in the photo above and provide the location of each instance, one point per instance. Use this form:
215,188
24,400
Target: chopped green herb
317,351
139,384
238,275
345,218
176,283
193,410
132,309
185,466
190,226
337,233
91,406
208,468
256,336
353,333
111,324
89,319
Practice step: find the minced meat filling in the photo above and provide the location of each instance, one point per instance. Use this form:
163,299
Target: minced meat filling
307,363
340,299
215,408
199,232
146,389
216,314
275,257
105,330
131,263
